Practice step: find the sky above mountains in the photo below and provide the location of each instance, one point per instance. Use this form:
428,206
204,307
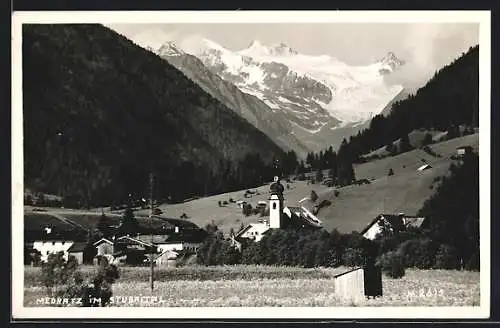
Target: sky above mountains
425,47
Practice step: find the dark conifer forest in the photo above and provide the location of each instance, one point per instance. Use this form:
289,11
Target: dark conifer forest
100,113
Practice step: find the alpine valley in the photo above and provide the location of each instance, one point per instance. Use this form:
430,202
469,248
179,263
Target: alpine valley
303,102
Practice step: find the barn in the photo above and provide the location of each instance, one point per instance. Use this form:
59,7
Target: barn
77,250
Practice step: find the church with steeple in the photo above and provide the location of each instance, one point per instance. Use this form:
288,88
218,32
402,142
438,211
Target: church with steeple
280,217
276,204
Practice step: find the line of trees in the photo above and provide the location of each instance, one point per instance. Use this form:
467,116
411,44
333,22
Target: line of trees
176,183
413,248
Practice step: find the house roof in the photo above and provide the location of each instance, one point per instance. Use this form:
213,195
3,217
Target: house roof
77,247
169,253
242,231
129,240
181,223
346,272
157,239
264,228
52,241
303,214
413,221
103,240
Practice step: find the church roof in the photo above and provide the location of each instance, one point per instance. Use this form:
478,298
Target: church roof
301,213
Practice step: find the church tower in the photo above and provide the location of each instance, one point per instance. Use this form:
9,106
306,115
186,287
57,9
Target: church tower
276,204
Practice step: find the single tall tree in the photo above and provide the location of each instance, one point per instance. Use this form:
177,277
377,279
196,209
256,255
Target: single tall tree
128,224
404,144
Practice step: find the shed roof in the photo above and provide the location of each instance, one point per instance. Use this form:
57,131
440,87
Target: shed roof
103,240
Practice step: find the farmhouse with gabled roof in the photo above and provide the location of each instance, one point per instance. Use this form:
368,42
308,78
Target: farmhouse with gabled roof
394,222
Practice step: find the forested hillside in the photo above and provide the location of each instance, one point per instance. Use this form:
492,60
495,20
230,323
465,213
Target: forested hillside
454,210
100,113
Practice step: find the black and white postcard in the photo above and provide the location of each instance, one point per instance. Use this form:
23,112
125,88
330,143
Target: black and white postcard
251,164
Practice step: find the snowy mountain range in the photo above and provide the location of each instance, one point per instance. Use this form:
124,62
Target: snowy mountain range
317,96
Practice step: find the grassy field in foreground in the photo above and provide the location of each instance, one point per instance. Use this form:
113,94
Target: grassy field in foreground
249,286
133,275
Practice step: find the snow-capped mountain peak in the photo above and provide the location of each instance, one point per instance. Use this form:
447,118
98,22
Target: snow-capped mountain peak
314,93
390,62
257,49
169,48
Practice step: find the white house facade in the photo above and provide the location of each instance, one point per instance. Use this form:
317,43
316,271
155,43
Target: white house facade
47,247
191,247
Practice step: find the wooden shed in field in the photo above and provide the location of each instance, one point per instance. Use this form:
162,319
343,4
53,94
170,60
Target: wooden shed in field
359,283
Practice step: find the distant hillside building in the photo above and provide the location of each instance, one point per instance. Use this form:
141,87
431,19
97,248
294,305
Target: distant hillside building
462,150
394,222
424,167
